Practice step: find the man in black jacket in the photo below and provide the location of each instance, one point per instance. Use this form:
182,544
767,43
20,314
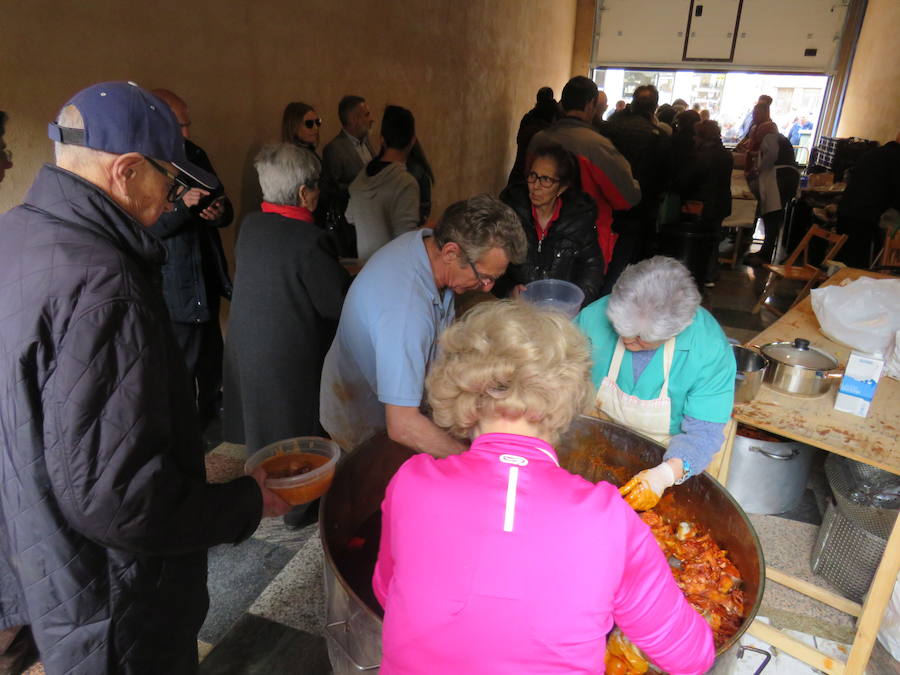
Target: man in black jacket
105,512
873,187
636,135
195,274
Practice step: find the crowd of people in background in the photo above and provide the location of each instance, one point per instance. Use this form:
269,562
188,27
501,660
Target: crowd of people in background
113,273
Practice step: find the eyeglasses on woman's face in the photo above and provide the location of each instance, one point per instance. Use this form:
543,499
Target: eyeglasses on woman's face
543,181
309,124
177,188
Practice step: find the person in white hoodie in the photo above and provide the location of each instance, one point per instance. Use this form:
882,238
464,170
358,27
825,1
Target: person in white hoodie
384,196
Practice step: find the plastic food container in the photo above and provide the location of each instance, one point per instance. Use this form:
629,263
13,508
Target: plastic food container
557,294
301,468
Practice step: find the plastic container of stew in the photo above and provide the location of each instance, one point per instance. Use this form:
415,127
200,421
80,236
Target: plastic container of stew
299,470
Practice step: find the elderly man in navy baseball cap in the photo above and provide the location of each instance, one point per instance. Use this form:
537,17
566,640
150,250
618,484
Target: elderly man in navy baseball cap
105,512
122,132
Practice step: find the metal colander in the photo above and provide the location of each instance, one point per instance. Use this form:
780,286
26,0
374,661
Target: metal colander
846,555
846,478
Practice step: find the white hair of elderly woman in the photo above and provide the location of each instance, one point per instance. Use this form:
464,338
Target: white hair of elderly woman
282,169
653,300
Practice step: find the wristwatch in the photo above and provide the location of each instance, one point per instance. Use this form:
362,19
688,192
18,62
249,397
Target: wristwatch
686,471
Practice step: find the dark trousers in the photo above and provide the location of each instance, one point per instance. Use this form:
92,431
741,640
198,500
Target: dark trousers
772,222
787,180
712,266
202,347
635,243
863,240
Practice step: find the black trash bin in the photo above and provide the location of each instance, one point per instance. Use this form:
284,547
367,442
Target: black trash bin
690,243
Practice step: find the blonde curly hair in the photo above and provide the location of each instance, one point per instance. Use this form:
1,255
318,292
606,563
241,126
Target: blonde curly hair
508,359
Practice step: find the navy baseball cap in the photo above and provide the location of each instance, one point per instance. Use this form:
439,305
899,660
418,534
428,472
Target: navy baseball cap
120,117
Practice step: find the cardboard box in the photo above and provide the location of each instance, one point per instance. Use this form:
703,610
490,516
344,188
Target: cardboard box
859,383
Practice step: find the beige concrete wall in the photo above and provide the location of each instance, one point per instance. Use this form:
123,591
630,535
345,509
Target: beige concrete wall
583,43
872,103
468,70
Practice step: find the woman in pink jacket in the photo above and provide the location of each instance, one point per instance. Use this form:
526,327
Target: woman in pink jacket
499,561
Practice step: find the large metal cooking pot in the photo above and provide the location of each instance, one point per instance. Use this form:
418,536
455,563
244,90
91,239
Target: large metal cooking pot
798,369
349,524
768,473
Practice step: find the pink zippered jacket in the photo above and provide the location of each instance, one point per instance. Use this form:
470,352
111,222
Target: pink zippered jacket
498,561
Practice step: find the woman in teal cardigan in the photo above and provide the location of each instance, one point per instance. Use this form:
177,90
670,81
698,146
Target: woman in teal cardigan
662,367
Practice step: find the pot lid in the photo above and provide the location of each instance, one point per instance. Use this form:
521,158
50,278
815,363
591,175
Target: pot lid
799,353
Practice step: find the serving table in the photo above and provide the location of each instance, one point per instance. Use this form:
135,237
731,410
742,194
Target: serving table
814,421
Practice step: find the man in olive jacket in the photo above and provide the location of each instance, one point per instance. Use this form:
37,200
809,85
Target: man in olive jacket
105,512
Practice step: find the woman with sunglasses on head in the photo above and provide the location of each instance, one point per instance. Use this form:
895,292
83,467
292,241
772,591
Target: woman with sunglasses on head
558,219
300,124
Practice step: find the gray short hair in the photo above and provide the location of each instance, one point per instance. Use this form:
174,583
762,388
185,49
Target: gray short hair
282,169
479,224
74,157
654,300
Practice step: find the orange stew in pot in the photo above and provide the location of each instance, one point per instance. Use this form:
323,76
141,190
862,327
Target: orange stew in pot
706,576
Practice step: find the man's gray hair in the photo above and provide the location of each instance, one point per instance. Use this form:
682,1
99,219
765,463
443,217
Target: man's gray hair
653,300
74,157
479,224
282,169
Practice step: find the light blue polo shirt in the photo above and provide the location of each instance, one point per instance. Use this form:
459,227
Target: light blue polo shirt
387,336
701,382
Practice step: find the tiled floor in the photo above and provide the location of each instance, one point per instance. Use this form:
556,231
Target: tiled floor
266,595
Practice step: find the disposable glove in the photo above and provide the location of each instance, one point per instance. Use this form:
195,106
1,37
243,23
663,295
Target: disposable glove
644,490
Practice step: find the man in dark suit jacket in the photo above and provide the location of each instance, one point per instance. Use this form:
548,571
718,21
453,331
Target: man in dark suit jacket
342,159
349,151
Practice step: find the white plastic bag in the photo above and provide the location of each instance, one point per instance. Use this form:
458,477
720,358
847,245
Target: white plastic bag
864,314
889,633
892,364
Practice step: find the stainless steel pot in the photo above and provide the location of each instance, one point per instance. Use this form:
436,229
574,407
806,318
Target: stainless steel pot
768,473
593,448
749,377
798,369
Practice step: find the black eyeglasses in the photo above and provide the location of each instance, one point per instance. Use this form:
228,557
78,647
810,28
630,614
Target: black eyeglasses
543,181
309,124
178,187
484,279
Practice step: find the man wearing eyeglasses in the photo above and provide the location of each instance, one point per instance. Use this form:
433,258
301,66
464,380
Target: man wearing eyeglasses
105,512
373,378
195,274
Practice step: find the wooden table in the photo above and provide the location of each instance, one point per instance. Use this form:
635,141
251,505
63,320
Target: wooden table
872,439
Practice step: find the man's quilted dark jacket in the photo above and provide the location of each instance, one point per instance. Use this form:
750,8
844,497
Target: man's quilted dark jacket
105,513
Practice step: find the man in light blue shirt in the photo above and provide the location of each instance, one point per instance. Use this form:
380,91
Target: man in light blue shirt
374,374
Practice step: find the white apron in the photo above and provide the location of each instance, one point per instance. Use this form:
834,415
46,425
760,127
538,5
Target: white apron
650,418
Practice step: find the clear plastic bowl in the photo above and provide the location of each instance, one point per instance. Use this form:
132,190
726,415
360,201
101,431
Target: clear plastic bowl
292,454
562,296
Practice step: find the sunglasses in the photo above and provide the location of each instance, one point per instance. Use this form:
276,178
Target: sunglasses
309,124
178,187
